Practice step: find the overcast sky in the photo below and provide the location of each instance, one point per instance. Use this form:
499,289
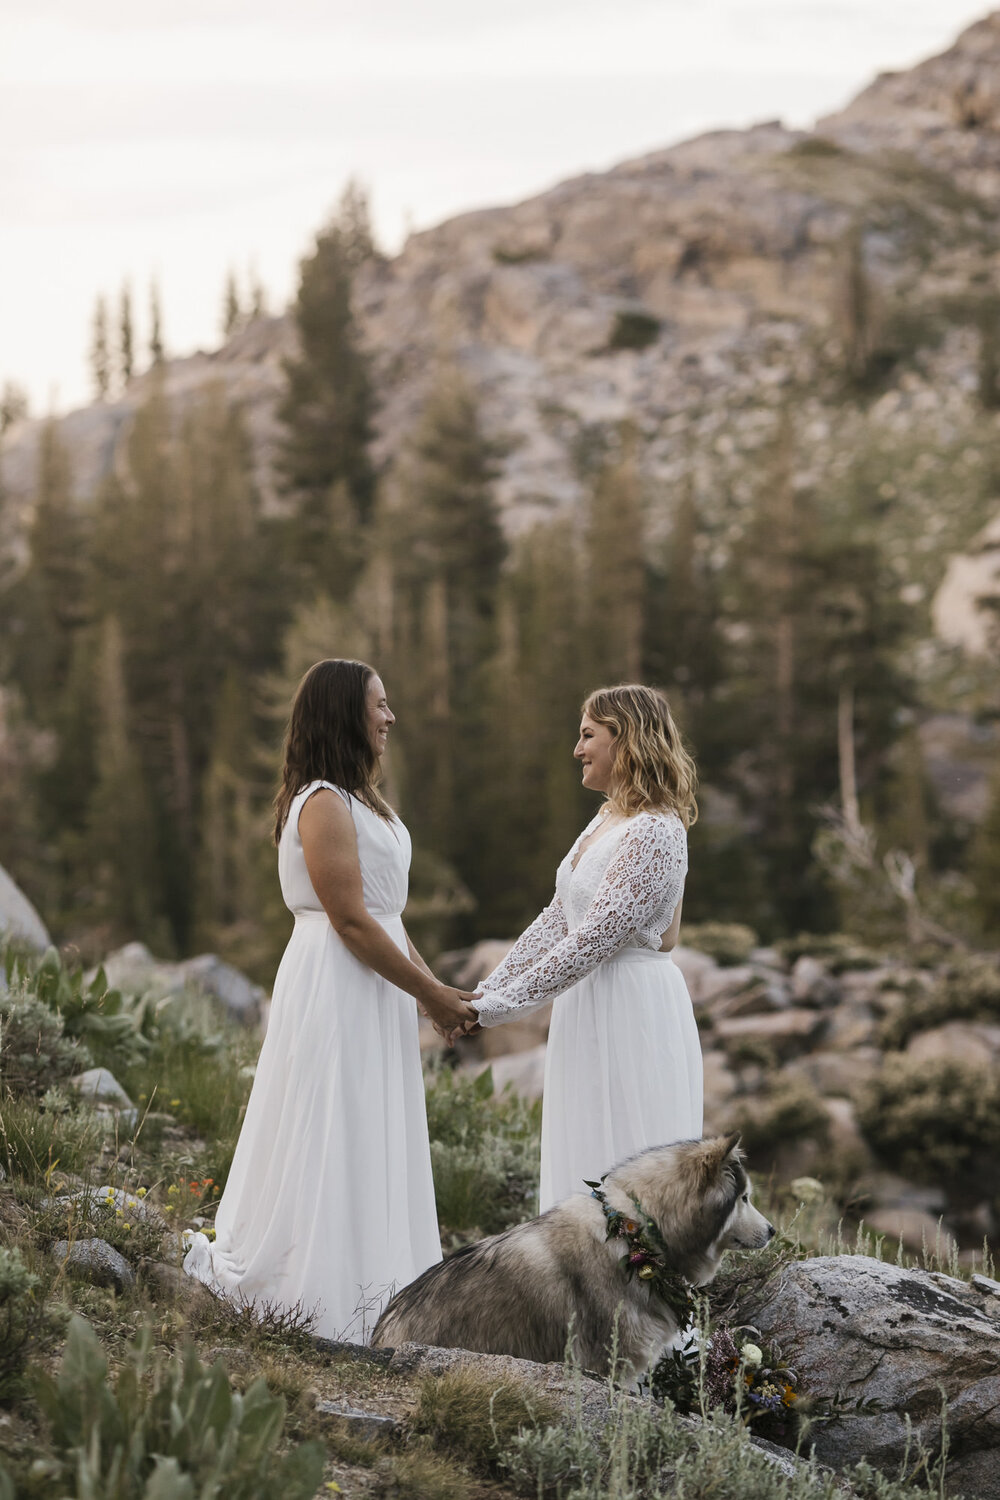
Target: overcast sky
141,138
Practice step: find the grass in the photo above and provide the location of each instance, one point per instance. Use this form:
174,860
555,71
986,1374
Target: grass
463,1436
476,1417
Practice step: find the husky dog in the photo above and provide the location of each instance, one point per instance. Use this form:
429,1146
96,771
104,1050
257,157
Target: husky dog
579,1275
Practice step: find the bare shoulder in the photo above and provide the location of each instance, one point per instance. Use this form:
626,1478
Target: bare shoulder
325,813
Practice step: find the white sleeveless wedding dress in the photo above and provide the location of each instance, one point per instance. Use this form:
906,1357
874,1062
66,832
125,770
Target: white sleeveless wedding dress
623,1068
330,1198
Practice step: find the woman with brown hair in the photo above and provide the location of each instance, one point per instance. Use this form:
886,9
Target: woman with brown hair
623,1067
330,1200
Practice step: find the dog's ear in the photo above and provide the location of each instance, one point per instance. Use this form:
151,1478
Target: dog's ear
716,1150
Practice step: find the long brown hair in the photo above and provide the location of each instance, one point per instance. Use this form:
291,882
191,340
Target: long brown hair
327,738
651,768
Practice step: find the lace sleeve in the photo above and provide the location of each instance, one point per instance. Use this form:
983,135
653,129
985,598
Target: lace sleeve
643,881
535,941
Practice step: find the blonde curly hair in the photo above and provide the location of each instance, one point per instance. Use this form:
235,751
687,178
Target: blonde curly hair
651,768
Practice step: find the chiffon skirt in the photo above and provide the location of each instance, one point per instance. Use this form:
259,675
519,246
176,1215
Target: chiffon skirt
330,1198
623,1071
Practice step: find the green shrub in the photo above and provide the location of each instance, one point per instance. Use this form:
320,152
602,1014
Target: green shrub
839,952
727,942
91,1012
790,1113
634,329
172,1421
22,1316
476,1417
936,1120
968,991
484,1152
34,1052
34,1139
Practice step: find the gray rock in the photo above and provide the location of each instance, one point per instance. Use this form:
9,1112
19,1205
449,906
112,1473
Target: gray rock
915,1227
524,1072
786,1032
698,971
366,1425
135,970
18,918
812,984
880,1344
240,997
986,1285
98,1261
965,1041
100,1084
134,1208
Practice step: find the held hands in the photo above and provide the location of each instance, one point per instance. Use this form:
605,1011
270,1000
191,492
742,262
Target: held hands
449,1010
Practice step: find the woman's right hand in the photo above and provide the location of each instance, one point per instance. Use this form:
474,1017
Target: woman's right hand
448,1007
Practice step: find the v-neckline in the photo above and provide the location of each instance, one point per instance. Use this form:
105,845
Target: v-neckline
580,850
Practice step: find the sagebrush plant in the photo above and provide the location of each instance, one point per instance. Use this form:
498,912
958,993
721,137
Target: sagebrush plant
99,1017
22,1318
167,1422
35,1053
787,1114
476,1416
968,990
484,1152
727,942
935,1119
839,952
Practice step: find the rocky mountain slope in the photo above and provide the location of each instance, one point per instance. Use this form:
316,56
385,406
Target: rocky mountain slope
688,291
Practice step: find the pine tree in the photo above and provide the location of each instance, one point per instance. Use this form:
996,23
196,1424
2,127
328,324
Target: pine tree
232,313
258,295
100,351
13,405
616,568
353,218
122,847
127,347
155,325
323,460
447,551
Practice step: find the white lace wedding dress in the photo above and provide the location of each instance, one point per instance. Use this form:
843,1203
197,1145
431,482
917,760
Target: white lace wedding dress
330,1198
623,1067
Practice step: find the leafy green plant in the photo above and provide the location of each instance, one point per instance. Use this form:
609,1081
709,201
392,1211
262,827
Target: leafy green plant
96,1015
169,1427
484,1152
22,1316
936,1120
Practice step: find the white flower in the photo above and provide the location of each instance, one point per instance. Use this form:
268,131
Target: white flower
751,1355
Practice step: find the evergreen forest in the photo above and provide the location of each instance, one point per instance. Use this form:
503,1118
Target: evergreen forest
151,640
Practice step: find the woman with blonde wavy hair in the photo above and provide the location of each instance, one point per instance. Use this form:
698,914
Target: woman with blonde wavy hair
623,1067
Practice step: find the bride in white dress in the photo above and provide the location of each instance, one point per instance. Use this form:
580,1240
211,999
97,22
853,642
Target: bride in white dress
623,1066
330,1199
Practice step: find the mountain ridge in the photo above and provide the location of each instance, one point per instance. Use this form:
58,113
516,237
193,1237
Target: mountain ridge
724,251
